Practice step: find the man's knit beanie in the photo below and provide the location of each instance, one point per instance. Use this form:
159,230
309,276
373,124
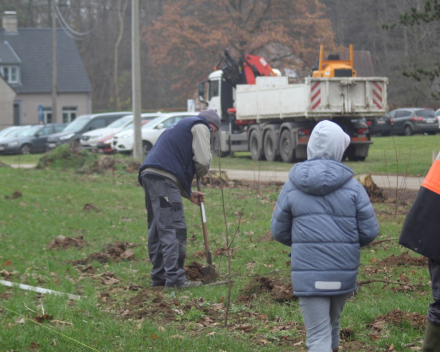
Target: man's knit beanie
212,117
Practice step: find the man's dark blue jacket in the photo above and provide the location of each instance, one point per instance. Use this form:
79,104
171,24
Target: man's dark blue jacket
173,151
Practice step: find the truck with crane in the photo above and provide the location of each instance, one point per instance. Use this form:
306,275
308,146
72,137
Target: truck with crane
263,113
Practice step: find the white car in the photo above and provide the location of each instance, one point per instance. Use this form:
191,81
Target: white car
89,140
123,141
11,131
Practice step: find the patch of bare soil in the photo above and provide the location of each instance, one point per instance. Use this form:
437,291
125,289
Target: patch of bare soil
5,295
403,259
266,238
67,242
15,195
154,304
356,346
89,207
113,252
397,318
403,196
278,291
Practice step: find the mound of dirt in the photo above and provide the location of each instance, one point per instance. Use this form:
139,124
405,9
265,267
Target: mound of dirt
67,156
215,178
132,166
397,317
194,272
374,191
89,207
113,252
403,259
67,242
278,291
110,163
16,194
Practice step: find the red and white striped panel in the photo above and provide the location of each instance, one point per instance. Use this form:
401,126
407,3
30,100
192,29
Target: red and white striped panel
377,95
316,95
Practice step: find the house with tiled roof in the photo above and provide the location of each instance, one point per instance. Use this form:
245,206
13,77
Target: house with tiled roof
26,76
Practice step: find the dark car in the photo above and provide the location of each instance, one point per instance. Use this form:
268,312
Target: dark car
408,121
381,126
74,130
30,140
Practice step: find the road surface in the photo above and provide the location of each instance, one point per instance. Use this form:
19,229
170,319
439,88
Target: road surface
383,181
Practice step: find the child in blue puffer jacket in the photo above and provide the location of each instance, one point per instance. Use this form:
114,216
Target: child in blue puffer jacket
325,216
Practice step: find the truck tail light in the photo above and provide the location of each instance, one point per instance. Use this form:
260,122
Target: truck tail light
303,136
416,118
304,132
391,120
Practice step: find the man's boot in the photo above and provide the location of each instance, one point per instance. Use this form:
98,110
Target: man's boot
431,342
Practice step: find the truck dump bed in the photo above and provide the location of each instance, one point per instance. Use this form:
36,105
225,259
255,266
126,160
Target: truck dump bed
318,98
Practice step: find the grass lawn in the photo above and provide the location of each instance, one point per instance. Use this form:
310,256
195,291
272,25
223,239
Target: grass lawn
121,312
20,159
410,156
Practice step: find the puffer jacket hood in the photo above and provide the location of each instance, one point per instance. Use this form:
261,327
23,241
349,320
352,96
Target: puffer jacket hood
327,141
320,177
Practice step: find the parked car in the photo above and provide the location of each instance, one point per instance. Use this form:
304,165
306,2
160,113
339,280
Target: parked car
30,140
408,121
12,131
437,113
123,141
74,130
382,126
5,132
89,140
105,144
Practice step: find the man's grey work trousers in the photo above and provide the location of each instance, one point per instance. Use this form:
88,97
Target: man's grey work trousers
434,307
166,230
321,319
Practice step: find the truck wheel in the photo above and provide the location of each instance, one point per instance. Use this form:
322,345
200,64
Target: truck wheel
286,147
270,150
408,131
215,147
255,147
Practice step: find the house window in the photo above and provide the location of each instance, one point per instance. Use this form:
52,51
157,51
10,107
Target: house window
11,74
69,114
47,115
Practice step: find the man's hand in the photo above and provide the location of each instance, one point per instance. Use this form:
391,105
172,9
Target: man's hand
196,197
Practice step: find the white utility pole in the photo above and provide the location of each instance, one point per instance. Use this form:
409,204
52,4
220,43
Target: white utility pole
136,81
54,64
